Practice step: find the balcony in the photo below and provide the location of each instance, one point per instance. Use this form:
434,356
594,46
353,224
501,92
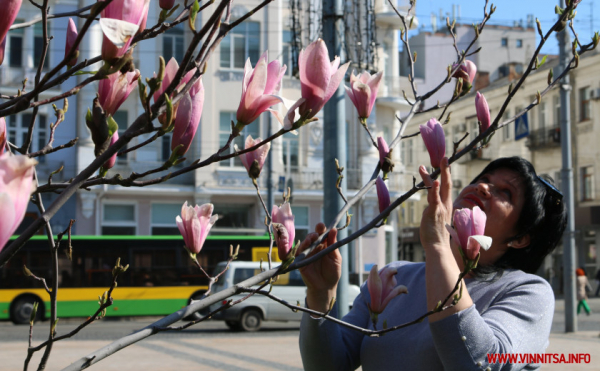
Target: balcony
544,138
385,14
390,92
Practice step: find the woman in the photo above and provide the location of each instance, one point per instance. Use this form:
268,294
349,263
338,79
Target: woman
582,285
504,309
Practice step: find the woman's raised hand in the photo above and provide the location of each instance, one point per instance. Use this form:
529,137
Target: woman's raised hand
321,277
439,211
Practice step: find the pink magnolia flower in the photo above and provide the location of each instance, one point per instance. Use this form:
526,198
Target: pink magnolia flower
10,9
383,149
120,21
113,159
194,225
170,70
71,37
468,231
483,111
466,71
383,287
16,186
189,111
166,4
383,195
258,89
253,161
115,89
285,241
435,141
3,135
363,92
2,49
319,79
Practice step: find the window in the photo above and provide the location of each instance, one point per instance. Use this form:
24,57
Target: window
519,43
225,119
542,115
409,152
301,222
163,219
165,146
287,57
38,45
119,219
504,42
474,130
241,43
584,104
290,151
18,127
232,216
122,119
556,102
15,45
587,183
172,43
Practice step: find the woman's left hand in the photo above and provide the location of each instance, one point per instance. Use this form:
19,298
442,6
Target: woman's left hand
439,211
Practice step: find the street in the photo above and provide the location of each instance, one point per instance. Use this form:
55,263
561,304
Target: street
212,346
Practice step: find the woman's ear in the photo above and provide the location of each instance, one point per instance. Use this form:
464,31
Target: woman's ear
520,242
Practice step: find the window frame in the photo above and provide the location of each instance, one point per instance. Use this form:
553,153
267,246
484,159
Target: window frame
504,42
585,106
18,33
119,223
174,34
18,131
247,35
239,140
587,193
161,225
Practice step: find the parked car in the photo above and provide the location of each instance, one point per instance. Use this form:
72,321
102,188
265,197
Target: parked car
250,314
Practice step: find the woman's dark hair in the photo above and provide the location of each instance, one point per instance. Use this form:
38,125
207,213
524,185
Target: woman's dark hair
543,217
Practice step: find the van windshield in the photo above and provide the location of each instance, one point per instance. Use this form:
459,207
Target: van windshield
242,274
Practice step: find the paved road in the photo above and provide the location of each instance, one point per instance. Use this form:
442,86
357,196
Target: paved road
211,346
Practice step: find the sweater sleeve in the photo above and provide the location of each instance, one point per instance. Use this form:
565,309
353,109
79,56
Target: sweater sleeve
327,346
517,322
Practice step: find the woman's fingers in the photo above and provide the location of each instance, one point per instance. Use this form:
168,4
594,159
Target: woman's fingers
433,193
312,237
332,236
446,181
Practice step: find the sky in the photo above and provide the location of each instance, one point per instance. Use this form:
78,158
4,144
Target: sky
508,11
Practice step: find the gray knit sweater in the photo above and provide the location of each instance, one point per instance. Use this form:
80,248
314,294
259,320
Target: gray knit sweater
512,314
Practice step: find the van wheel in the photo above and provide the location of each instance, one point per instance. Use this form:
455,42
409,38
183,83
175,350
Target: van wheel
21,308
233,325
251,320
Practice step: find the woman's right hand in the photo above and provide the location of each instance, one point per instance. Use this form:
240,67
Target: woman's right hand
321,277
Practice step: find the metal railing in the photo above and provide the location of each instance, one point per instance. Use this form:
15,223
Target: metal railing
544,138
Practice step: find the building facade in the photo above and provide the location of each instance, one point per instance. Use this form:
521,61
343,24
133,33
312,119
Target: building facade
297,161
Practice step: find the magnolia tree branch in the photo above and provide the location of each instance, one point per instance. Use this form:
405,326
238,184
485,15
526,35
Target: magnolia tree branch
108,301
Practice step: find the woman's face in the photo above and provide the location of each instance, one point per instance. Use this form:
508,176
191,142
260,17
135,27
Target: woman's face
501,195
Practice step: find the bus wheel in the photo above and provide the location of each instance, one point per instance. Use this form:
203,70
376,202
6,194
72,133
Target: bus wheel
199,314
20,310
233,325
251,320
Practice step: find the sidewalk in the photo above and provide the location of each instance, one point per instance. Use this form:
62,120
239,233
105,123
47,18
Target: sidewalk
264,352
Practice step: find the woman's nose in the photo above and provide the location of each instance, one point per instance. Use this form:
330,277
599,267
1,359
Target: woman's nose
483,189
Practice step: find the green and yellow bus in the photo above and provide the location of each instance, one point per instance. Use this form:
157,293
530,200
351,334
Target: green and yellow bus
161,278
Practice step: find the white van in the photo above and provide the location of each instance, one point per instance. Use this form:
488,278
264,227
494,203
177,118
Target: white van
249,314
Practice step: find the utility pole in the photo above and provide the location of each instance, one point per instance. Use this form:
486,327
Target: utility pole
564,45
334,146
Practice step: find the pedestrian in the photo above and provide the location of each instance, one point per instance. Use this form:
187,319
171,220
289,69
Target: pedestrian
582,285
598,282
504,308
